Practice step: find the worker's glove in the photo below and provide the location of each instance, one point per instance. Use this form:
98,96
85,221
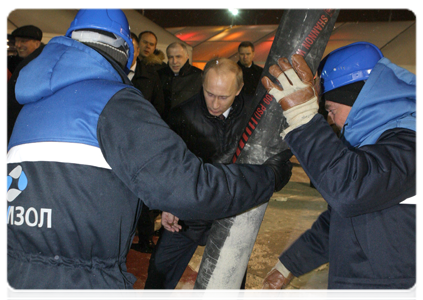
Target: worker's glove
297,96
282,168
278,278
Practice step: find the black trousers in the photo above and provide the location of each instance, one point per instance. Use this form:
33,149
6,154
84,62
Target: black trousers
145,224
173,252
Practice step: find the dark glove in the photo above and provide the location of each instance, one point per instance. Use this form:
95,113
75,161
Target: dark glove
282,168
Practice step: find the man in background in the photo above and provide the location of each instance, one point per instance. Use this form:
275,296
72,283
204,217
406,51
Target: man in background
145,78
28,45
149,54
250,71
27,39
180,80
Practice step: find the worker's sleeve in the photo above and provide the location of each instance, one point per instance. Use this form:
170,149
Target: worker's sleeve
155,164
356,181
311,249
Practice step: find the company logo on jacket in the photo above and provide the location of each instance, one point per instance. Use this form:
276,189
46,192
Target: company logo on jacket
16,183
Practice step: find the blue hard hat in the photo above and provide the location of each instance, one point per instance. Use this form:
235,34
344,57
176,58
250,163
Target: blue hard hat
110,20
348,64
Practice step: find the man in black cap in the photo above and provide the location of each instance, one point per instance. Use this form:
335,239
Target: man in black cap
28,45
27,40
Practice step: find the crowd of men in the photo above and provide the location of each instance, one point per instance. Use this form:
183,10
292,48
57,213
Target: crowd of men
103,135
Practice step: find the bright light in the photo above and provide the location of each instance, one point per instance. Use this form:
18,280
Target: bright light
234,11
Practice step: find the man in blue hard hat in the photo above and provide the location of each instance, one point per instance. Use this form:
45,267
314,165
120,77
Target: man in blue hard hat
86,147
367,177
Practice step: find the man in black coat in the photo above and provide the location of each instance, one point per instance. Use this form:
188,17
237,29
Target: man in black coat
211,124
180,80
145,78
149,54
251,72
26,40
29,46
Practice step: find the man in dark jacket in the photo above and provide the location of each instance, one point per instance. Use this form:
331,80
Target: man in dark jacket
211,124
251,72
368,233
145,78
180,80
149,54
29,46
26,40
86,149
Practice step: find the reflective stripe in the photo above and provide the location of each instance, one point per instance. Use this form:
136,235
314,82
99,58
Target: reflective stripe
411,200
73,153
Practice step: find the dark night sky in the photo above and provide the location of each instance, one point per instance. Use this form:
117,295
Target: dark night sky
218,17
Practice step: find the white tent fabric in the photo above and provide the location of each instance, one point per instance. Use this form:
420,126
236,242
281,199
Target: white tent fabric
397,40
54,22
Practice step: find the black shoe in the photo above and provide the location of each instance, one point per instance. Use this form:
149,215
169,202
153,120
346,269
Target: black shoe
144,248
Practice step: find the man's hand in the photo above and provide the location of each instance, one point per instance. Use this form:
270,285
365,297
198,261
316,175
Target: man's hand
275,280
170,222
297,96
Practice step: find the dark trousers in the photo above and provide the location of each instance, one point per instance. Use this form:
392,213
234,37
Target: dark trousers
145,224
173,253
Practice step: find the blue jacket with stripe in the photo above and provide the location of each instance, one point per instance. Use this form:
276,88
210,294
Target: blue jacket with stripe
368,233
85,148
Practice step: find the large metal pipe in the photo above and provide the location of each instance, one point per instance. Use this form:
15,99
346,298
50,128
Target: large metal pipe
231,240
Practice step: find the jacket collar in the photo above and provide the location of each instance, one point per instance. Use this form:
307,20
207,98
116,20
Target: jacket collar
142,70
184,70
244,67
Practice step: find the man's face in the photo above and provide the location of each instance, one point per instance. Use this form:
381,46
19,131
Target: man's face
147,44
337,112
26,46
136,51
220,91
177,57
246,56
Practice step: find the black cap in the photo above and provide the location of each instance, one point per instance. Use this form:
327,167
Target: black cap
346,94
29,32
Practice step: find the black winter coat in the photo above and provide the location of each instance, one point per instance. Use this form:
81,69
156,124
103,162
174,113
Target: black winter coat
147,81
207,136
251,77
13,107
211,139
177,89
